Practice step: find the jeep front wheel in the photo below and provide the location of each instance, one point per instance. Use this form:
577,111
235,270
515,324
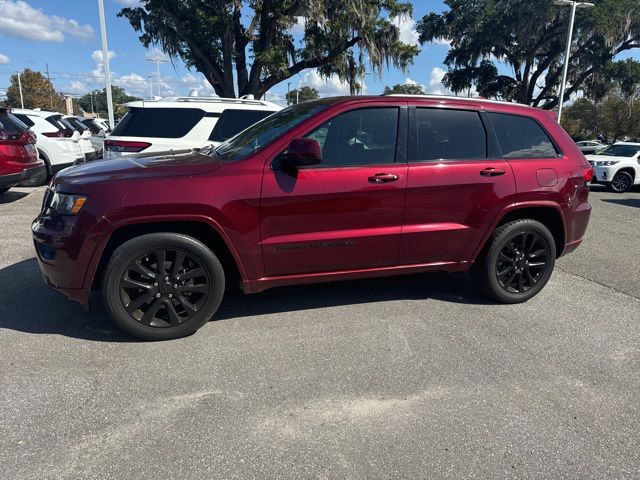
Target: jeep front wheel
162,286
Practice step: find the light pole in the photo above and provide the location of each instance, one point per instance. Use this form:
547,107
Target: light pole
574,5
20,88
157,60
105,63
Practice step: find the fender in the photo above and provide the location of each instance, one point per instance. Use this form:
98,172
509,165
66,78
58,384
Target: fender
108,232
513,207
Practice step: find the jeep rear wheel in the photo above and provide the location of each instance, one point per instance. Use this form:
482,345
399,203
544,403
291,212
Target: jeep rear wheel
517,261
162,286
621,182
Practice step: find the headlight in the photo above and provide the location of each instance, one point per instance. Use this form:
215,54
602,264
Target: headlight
608,163
67,204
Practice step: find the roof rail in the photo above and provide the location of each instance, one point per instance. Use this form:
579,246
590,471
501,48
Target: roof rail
452,97
217,100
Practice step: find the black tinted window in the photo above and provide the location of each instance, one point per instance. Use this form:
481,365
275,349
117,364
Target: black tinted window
359,137
235,121
521,137
24,119
10,125
158,122
95,129
449,134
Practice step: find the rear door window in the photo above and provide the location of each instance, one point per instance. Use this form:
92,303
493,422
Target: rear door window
522,137
449,134
158,122
234,121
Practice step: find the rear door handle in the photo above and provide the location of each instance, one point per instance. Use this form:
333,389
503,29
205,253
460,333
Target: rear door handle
491,172
383,178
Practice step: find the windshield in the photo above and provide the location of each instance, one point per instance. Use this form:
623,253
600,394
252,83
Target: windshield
265,131
620,150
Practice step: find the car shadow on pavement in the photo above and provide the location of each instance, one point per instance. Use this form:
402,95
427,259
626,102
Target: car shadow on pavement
12,196
629,202
30,306
456,288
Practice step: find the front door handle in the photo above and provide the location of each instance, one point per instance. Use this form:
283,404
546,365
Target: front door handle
491,172
383,178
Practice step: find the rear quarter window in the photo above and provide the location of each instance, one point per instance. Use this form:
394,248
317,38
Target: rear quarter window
158,122
522,137
233,121
10,125
24,119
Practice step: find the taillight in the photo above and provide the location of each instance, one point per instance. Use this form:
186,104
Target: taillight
587,174
56,134
125,146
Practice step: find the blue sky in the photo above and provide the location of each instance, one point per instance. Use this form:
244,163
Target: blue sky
65,34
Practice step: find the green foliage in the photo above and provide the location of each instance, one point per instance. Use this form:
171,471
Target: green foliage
404,89
304,94
211,37
614,118
530,37
118,95
37,92
623,75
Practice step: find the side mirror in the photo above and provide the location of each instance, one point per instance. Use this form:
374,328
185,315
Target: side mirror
302,152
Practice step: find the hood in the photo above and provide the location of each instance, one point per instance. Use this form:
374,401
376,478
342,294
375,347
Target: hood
130,168
609,158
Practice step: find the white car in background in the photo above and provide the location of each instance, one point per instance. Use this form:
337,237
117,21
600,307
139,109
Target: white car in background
57,146
617,166
182,123
86,144
100,122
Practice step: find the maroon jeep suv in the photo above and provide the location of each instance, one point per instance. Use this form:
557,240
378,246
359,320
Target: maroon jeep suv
336,189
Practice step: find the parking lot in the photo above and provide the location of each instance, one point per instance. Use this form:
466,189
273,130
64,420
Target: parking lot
412,377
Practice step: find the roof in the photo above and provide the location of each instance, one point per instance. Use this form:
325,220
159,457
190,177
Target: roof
204,102
442,99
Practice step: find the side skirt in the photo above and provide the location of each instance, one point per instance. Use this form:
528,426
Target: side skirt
261,284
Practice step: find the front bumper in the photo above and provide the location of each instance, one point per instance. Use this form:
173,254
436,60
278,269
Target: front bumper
603,174
23,176
65,246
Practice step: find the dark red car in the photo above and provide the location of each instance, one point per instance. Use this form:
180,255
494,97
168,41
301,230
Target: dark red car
19,160
336,189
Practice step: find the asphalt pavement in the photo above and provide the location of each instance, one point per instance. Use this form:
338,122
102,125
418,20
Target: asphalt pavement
411,377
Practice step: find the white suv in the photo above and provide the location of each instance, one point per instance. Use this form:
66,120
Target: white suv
57,146
617,166
181,123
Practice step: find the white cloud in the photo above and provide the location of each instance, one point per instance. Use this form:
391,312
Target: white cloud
442,41
408,81
130,3
435,86
327,87
21,20
4,59
407,27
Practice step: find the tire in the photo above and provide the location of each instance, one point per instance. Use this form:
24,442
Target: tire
4,190
140,300
40,179
621,182
527,269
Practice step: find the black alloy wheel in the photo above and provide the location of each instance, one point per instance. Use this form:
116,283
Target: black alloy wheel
522,262
517,261
163,288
